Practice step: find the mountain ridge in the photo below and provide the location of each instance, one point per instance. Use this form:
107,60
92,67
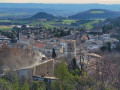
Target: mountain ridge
96,14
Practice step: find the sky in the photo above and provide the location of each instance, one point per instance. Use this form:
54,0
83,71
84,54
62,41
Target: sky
62,1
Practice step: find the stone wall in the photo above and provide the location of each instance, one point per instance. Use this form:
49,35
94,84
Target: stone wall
45,69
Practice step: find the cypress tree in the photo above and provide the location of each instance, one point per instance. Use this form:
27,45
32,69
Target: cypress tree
53,53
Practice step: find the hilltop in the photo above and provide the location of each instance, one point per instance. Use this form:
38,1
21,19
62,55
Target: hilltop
95,14
43,15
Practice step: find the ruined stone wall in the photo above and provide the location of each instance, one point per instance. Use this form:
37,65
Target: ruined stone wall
45,69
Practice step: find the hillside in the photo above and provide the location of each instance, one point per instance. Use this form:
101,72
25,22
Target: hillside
43,15
96,14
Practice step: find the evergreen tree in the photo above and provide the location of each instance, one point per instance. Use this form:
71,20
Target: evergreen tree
5,85
53,53
109,46
65,79
38,85
15,83
25,85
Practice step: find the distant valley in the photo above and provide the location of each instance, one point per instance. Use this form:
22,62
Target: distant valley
90,14
29,9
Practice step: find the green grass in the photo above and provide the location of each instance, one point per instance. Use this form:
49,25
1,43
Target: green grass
46,24
68,22
6,27
5,20
97,11
90,24
20,22
12,14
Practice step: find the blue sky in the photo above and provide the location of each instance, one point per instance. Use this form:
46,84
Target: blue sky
62,1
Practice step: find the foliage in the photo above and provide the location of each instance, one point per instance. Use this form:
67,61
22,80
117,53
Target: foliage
25,85
107,47
5,85
103,48
16,82
37,85
53,53
70,81
64,81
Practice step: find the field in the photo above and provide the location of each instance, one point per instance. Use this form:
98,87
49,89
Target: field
51,24
5,20
6,27
54,23
48,24
20,22
13,14
90,24
97,11
68,22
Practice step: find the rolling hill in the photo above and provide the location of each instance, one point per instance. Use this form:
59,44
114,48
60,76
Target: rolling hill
96,14
30,9
43,15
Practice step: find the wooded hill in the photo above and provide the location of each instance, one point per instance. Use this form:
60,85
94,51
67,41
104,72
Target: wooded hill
96,14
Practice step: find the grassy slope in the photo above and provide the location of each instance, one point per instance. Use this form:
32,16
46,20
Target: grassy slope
5,20
12,14
68,22
97,11
3,27
48,24
90,24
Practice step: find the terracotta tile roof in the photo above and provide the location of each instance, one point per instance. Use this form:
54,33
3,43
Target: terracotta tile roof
84,38
40,45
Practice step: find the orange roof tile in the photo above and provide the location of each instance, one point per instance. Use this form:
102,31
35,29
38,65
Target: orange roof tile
40,45
84,38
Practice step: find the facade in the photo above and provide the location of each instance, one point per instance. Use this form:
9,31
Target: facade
71,50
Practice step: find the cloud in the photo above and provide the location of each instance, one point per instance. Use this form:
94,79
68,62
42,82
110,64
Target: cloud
62,1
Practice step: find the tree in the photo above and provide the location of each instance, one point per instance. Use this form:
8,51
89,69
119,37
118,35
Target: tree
109,46
73,65
71,81
25,85
5,85
64,81
53,53
62,33
15,83
106,47
103,48
37,85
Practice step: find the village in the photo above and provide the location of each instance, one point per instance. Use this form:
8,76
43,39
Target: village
65,44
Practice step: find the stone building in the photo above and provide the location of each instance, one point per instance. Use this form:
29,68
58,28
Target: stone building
43,70
71,50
